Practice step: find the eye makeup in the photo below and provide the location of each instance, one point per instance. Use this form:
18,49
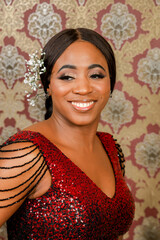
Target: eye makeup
97,76
94,72
66,76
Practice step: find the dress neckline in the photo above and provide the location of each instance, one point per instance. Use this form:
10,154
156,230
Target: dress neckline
99,134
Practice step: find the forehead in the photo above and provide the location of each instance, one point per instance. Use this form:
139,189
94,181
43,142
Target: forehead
81,52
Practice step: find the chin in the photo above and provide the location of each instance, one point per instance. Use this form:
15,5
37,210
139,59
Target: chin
83,121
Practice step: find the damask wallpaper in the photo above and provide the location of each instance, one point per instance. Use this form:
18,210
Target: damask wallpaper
132,114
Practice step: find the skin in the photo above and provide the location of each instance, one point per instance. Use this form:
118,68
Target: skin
80,88
77,78
120,238
82,84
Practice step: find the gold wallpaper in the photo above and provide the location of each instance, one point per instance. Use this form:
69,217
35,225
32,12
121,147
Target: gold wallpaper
132,115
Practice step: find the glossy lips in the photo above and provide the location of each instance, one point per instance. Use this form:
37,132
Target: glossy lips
83,106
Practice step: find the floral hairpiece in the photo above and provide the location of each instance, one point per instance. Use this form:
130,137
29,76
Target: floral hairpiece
35,67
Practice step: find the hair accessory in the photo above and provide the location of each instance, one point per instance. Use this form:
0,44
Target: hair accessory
35,67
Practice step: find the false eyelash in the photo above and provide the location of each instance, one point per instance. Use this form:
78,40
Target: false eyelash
65,77
98,75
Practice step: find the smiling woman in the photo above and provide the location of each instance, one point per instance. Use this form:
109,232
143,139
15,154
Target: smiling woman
68,178
80,89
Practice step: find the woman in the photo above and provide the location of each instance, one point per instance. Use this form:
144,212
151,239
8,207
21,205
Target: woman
61,179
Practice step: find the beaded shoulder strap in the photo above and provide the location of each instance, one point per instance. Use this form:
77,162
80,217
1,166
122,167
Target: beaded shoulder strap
22,166
121,157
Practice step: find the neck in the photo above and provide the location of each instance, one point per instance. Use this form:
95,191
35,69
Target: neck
81,137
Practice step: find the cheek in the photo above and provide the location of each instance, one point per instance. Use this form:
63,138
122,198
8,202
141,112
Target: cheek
104,98
58,89
104,88
104,91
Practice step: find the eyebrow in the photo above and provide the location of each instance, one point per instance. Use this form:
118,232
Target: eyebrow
95,66
74,67
67,66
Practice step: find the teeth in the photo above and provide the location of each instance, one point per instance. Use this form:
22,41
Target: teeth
82,105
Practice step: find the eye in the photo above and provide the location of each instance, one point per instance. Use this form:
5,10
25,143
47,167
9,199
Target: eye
97,76
66,77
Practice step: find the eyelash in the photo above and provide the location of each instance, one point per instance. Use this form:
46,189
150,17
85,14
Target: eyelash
94,76
66,77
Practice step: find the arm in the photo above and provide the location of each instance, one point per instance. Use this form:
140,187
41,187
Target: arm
21,168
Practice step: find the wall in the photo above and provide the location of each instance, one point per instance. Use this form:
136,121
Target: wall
133,113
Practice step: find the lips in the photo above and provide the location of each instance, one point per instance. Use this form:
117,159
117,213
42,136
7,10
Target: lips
83,106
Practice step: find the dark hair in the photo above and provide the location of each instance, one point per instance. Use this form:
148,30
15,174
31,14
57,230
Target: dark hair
57,45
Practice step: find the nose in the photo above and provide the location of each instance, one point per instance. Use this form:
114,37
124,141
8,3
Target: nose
82,86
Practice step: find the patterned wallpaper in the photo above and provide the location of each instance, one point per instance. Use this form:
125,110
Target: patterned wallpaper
133,113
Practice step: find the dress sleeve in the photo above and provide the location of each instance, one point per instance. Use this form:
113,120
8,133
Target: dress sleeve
22,166
121,157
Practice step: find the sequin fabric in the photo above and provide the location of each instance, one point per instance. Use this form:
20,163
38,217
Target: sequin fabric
73,207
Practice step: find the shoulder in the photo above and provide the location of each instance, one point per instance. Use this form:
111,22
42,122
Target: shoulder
120,157
105,135
106,138
20,151
111,144
22,138
22,165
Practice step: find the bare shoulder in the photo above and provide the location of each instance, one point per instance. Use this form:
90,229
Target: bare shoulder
40,127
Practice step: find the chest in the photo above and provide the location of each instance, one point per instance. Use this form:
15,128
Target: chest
74,207
98,168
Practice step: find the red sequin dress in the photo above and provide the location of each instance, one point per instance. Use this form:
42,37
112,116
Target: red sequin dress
73,207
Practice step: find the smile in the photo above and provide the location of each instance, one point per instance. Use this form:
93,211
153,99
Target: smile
83,105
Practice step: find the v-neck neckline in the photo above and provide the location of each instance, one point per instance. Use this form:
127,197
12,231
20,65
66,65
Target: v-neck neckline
79,169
